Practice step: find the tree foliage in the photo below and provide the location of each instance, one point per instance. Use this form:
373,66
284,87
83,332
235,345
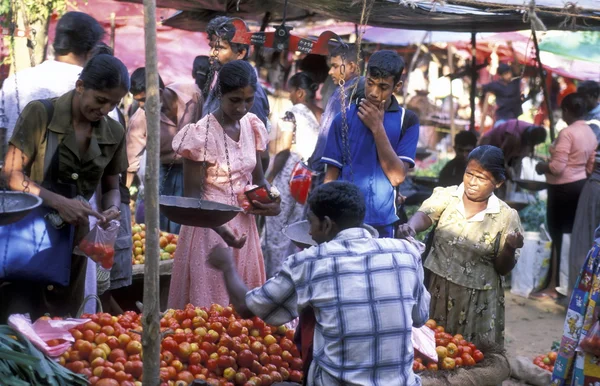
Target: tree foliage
35,12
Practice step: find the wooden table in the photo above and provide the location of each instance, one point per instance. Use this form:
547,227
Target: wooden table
127,296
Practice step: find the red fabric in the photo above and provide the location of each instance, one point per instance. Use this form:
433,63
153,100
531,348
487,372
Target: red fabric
305,333
176,48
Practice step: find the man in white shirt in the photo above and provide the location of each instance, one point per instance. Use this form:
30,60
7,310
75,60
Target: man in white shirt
77,34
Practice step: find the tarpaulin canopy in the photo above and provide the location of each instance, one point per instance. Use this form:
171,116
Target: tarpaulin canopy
435,15
573,45
523,45
174,63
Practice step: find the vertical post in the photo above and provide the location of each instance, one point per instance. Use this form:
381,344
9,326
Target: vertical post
451,67
112,30
544,84
151,318
473,78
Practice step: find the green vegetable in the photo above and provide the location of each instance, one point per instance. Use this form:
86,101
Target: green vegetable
533,215
22,364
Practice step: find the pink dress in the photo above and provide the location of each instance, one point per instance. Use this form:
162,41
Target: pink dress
193,280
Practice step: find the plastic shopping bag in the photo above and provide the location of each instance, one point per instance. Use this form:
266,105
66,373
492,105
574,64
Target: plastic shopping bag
423,340
46,330
531,272
99,244
528,172
591,342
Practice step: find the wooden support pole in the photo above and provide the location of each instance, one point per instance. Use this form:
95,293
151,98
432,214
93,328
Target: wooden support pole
451,112
473,78
542,74
113,26
151,311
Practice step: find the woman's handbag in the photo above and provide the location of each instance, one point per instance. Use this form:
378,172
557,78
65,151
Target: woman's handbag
39,247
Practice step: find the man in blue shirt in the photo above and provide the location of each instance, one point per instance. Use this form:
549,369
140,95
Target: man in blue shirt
342,55
379,145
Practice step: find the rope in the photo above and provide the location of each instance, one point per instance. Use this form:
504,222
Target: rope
569,11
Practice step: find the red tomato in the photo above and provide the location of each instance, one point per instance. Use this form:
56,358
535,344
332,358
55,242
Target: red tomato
468,360
478,356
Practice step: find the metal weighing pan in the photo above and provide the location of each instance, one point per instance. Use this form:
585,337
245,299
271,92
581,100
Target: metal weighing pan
14,206
298,232
533,186
196,212
430,182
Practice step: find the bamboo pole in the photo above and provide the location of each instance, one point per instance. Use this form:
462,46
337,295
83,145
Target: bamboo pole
412,65
112,30
473,78
544,84
151,313
451,67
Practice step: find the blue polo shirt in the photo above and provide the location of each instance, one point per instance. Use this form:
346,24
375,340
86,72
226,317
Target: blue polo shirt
402,129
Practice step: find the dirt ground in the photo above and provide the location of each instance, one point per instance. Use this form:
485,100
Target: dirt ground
531,327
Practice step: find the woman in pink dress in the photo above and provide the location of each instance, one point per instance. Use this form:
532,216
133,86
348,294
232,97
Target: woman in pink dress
220,155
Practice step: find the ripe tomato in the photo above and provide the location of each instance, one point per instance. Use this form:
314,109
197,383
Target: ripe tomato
468,360
459,362
478,356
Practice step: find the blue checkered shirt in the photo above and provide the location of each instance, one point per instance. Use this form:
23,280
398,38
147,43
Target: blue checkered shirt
366,294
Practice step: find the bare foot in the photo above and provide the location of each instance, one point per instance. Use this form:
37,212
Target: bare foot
546,293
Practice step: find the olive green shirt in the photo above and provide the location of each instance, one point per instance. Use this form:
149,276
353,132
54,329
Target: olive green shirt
464,249
107,153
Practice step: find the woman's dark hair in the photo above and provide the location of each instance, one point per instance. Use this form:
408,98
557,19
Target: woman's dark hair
305,82
200,70
386,63
138,81
534,135
105,72
575,104
222,27
491,158
77,33
235,75
316,66
465,138
341,201
102,48
589,87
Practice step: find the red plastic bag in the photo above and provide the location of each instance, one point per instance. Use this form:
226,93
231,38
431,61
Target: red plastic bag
99,244
591,343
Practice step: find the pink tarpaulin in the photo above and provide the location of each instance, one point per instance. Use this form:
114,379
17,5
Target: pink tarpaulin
176,48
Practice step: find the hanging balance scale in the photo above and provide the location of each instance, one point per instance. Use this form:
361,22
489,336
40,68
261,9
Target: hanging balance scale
209,214
14,205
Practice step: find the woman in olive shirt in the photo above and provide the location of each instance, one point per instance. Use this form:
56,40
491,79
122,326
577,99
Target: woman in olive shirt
91,151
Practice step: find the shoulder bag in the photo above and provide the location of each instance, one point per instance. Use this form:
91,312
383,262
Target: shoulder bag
38,248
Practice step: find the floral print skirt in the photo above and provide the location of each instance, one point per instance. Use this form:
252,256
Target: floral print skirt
476,314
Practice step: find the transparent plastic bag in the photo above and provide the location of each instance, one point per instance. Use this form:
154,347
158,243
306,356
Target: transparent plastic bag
99,244
52,337
590,344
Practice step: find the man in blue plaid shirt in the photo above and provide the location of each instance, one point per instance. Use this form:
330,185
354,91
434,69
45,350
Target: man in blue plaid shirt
366,294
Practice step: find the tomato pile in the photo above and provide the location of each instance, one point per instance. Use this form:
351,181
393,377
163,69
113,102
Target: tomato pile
167,243
213,344
453,351
546,361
